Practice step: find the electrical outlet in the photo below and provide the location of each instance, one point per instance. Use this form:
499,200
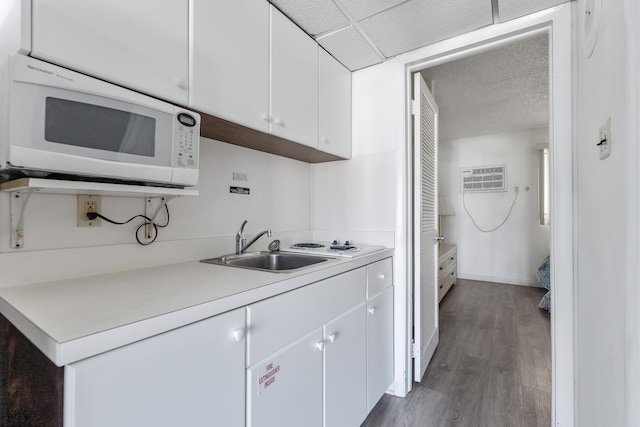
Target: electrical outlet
88,204
605,140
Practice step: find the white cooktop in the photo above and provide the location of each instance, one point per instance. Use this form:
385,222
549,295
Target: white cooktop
337,249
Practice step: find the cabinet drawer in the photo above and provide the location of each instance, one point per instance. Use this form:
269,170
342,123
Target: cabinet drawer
446,260
277,321
446,280
379,277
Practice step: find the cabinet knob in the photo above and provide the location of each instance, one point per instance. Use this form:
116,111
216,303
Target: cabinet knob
278,122
382,276
320,345
332,338
181,83
238,334
372,310
265,117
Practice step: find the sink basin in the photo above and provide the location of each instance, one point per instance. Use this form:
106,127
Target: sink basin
278,262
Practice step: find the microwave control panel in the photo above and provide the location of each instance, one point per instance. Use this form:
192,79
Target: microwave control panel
187,136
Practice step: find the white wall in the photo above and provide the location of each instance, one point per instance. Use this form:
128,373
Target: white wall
607,222
513,253
355,199
200,227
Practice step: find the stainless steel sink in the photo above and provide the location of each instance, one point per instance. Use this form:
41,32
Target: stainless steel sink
279,262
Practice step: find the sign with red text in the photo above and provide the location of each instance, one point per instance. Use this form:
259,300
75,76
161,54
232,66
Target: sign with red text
269,376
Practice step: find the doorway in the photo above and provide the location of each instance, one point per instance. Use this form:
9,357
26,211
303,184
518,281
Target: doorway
556,23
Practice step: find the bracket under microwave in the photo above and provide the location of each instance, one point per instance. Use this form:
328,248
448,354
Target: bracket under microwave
150,213
19,200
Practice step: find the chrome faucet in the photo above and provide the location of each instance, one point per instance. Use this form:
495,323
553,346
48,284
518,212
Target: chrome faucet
241,241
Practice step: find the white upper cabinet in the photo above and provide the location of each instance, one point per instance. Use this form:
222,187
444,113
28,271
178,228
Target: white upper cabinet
230,61
294,82
334,106
143,45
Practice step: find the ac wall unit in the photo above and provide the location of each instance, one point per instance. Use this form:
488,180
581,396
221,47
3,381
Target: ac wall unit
483,179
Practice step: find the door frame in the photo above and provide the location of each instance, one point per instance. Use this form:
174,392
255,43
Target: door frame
556,22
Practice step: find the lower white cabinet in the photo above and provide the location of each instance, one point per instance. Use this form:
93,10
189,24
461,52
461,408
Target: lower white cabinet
321,355
191,376
345,374
379,346
285,389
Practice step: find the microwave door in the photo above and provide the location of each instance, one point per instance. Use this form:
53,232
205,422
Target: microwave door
139,136
63,130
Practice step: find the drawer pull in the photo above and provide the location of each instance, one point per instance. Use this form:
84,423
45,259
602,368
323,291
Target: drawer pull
238,334
441,268
320,345
382,276
452,273
451,258
332,338
441,286
372,310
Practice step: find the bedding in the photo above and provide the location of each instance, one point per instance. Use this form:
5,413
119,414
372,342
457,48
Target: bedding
544,281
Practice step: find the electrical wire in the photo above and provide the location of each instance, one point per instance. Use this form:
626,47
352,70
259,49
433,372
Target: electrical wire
94,215
464,205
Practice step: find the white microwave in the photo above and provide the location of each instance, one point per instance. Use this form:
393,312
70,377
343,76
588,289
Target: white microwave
62,124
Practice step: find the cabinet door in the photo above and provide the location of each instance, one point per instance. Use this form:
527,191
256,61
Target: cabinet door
294,82
345,374
285,389
334,102
140,44
230,61
379,346
192,376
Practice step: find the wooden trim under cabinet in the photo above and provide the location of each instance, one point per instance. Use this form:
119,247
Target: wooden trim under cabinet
232,133
447,269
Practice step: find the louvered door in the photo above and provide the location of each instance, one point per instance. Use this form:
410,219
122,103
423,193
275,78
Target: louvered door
425,311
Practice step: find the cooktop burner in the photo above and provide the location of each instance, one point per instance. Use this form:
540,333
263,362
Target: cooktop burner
308,245
347,249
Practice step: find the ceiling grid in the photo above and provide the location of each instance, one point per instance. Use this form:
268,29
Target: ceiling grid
361,33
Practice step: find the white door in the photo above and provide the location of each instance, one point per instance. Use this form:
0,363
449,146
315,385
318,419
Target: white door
334,101
191,376
425,296
345,373
294,82
379,346
230,61
142,44
285,388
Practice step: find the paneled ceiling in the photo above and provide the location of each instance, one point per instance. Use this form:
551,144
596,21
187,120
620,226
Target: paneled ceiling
360,33
500,90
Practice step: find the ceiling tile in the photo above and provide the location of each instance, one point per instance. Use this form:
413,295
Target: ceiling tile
361,9
314,17
496,91
510,9
350,48
419,23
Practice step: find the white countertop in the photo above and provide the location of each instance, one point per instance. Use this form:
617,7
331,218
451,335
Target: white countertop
73,319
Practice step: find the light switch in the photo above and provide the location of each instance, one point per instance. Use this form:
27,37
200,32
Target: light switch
605,140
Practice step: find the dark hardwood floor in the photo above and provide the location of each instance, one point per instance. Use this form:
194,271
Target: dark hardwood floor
492,367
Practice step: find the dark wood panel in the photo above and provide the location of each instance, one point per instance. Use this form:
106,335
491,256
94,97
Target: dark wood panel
31,386
492,366
232,133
